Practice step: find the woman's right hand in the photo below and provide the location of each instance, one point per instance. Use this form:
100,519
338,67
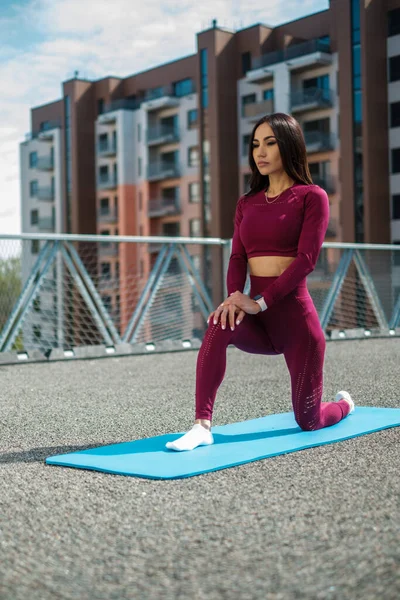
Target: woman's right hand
227,312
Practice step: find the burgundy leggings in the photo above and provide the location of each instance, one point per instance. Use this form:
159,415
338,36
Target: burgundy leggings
290,327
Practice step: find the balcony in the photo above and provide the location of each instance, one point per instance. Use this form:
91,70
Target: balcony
108,249
45,194
162,97
46,132
327,182
107,215
159,171
310,99
318,141
46,224
108,283
109,149
310,53
154,247
107,183
45,163
333,228
255,111
163,207
162,135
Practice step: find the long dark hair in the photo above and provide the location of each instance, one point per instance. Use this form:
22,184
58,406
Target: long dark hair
292,147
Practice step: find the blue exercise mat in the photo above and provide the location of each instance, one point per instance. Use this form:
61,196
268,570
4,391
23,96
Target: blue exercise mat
234,444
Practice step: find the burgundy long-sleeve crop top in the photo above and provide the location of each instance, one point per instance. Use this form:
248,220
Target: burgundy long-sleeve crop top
295,225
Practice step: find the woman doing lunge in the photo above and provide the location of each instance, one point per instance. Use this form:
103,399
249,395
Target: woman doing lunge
280,225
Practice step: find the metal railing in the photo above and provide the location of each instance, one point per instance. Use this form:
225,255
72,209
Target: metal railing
311,97
66,297
295,51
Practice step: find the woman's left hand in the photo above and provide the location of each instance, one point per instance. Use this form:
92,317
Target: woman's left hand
249,306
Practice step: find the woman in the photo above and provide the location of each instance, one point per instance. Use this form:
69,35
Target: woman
280,225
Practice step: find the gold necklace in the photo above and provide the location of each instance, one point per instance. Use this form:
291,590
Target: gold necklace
266,197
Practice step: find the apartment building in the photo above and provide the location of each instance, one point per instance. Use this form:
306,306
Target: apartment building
164,152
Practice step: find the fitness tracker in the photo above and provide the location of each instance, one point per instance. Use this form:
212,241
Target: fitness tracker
261,302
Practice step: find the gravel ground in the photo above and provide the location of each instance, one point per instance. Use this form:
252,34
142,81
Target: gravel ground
321,523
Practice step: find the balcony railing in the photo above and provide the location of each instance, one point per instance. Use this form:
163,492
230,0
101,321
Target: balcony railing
333,228
108,149
158,171
317,141
258,109
164,206
327,182
45,163
46,224
295,51
45,193
311,98
108,248
107,216
162,135
108,283
121,104
107,183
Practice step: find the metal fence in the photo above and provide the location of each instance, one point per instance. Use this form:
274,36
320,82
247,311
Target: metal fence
67,295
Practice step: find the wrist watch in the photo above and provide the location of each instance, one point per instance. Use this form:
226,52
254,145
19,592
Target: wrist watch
261,302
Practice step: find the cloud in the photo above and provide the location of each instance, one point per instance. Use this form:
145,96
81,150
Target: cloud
45,41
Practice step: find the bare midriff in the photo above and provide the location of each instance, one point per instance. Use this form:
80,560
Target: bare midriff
269,266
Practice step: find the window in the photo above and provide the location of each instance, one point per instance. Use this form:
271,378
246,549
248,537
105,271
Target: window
140,201
194,227
193,156
268,94
139,132
103,174
192,118
107,301
245,144
249,99
104,206
396,160
321,82
396,206
105,270
395,114
246,62
204,77
394,22
246,181
105,232
396,255
196,262
394,68
100,106
206,191
33,159
33,188
36,304
172,229
37,333
117,270
34,217
140,230
139,166
194,192
35,246
183,87
103,142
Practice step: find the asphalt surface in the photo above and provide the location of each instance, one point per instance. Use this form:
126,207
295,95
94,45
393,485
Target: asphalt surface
322,523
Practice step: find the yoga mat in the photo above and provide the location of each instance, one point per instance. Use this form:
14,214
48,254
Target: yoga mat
235,444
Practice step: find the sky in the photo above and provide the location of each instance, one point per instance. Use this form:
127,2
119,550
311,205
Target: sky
43,42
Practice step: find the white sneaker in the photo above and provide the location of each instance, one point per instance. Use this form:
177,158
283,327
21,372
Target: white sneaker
196,436
345,396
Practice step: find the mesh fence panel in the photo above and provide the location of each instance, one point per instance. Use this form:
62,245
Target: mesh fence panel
61,294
